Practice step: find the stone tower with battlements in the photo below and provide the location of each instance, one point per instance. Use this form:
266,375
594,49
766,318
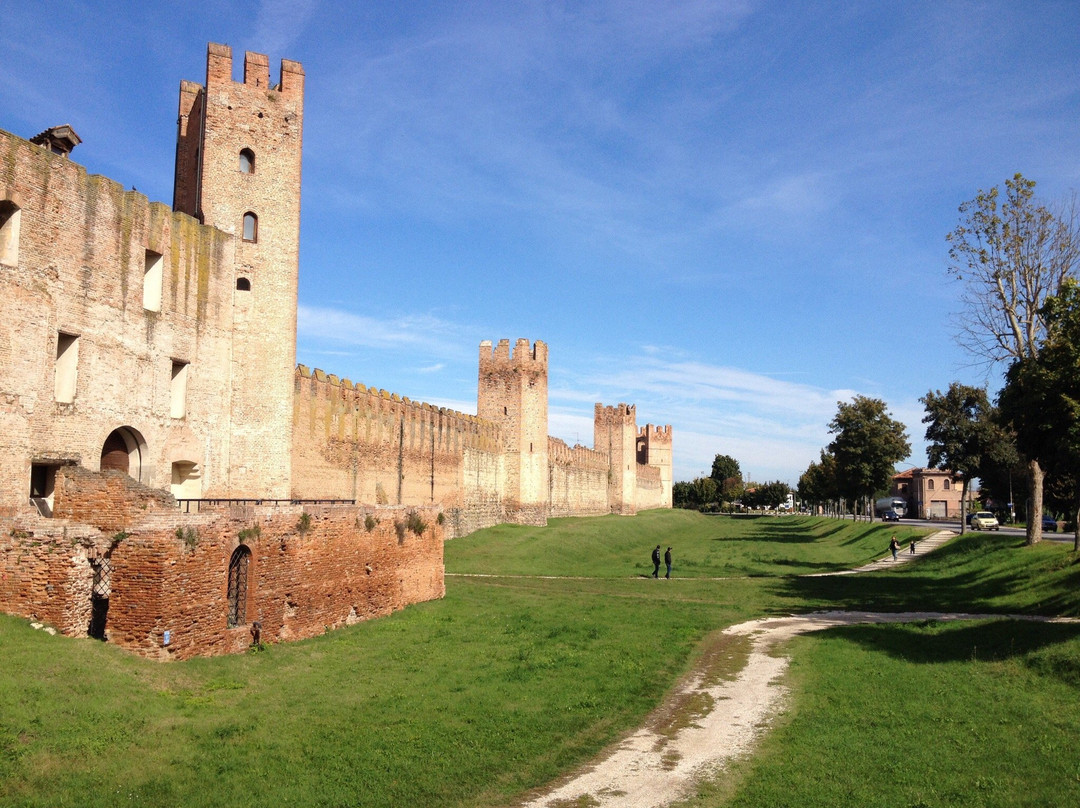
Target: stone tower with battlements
654,449
615,433
513,393
238,169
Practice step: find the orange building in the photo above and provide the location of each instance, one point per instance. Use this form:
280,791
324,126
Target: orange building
930,493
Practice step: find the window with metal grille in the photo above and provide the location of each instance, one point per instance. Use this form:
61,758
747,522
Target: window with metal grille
238,575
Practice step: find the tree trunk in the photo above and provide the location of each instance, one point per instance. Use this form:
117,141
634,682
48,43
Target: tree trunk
963,504
1035,511
1076,522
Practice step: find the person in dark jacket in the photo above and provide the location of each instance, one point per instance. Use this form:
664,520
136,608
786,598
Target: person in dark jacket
667,560
656,562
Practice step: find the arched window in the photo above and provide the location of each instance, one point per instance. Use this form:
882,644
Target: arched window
930,485
251,227
247,161
238,577
945,485
243,285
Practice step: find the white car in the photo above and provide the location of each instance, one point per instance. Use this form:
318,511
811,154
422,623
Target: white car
984,520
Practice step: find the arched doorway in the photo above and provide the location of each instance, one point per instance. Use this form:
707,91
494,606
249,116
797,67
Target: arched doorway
123,450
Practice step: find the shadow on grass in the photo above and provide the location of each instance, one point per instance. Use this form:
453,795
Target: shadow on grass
978,573
1051,648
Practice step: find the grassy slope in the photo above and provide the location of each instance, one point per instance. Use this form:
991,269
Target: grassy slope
508,680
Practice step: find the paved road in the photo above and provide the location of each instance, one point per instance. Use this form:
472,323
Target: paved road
1008,530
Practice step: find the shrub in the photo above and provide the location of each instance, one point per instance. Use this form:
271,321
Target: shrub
415,523
188,535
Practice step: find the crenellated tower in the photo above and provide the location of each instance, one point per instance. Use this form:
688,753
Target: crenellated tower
615,433
238,169
654,449
513,392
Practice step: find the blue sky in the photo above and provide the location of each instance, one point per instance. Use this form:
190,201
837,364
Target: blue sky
731,214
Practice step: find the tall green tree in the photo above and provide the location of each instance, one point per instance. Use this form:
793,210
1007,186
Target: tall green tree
868,445
1041,397
964,435
817,485
1011,253
728,476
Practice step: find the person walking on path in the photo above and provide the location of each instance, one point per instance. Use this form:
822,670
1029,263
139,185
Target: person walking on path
667,560
913,546
656,562
894,545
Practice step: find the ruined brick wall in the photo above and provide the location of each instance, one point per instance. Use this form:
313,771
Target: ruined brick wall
578,480
170,573
45,572
78,276
111,501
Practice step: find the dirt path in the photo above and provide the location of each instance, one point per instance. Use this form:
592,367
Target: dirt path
712,717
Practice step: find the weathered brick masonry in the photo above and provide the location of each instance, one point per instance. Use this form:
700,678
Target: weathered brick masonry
148,355
310,568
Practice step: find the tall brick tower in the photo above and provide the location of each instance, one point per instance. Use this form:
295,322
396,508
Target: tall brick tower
615,432
654,449
513,392
238,169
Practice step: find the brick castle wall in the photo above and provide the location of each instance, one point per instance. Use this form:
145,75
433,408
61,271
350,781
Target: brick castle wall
578,480
359,443
79,271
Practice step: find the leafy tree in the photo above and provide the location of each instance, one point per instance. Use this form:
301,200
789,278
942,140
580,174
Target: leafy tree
867,447
1011,255
769,495
1041,398
728,476
818,484
964,435
724,466
680,495
705,492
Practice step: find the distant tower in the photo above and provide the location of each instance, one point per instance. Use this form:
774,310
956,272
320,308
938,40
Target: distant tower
654,449
238,169
615,433
513,392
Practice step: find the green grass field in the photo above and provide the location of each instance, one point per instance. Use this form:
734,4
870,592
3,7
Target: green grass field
550,643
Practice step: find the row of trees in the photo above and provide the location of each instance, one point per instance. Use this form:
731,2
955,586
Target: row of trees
724,489
1017,259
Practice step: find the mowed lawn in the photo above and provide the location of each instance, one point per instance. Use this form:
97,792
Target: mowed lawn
550,643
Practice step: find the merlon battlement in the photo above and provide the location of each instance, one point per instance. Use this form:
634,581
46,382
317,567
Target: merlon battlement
525,354
328,385
219,67
620,413
656,434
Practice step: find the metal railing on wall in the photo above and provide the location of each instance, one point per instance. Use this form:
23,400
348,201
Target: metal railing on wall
195,505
